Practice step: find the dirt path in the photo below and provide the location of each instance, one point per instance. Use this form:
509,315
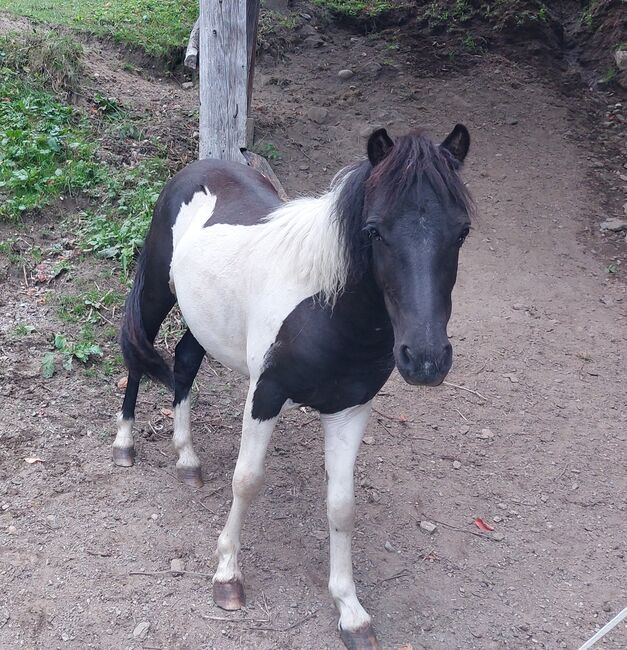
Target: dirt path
539,332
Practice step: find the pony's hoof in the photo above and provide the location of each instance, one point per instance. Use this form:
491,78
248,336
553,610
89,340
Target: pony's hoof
191,476
229,595
362,639
124,456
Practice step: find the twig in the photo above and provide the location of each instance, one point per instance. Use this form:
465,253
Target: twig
401,574
207,508
210,494
156,574
224,619
391,417
468,390
289,627
461,530
463,416
97,553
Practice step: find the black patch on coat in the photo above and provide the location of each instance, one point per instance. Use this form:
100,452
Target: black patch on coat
328,358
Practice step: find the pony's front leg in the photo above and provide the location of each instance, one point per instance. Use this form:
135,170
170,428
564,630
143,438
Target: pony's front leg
228,589
343,432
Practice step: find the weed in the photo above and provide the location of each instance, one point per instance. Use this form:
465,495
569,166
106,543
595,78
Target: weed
355,8
46,59
268,150
118,228
84,349
45,149
22,329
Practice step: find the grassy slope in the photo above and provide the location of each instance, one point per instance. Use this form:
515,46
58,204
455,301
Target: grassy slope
159,27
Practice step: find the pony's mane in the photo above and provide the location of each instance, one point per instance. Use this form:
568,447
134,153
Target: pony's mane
323,237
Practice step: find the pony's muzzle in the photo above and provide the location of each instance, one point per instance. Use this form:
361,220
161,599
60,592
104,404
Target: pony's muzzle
422,367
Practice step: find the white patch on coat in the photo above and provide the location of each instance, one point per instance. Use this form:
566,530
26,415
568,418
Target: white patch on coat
236,284
182,438
343,432
124,436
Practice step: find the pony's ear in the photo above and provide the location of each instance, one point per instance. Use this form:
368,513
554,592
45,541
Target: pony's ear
458,142
379,146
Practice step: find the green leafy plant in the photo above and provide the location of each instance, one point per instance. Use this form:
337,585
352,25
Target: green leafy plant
45,149
22,329
83,350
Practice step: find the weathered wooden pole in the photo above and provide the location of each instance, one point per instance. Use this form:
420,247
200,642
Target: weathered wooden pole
223,79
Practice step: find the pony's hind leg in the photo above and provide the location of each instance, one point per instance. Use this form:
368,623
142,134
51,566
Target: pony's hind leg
123,448
343,432
228,589
147,305
187,359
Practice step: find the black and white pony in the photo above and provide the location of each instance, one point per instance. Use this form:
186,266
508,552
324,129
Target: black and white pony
315,300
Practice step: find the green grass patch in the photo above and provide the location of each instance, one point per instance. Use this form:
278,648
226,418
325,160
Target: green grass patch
117,229
46,59
356,8
159,27
46,149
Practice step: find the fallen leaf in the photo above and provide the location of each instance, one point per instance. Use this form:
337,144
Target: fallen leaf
479,523
168,413
122,383
406,646
33,459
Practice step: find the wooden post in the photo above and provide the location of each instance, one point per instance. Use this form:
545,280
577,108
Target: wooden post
223,79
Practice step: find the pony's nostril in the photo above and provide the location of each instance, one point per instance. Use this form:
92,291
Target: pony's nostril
406,354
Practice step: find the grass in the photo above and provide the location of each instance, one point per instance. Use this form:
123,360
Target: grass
158,27
46,149
356,8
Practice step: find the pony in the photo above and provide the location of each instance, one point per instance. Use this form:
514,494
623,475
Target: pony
316,300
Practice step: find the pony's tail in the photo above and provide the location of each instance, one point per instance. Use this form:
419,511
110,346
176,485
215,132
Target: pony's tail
138,350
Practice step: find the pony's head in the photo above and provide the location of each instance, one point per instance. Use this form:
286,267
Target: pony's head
415,216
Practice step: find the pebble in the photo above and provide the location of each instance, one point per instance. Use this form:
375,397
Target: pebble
186,85
177,566
428,527
389,548
141,630
318,114
485,434
154,516
502,506
607,607
457,464
345,74
615,225
368,440
464,430
498,537
12,530
4,616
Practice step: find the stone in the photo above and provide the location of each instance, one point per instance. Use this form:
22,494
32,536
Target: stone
614,225
318,114
368,440
485,434
457,464
389,548
620,56
428,527
346,74
464,429
141,630
186,85
498,537
177,567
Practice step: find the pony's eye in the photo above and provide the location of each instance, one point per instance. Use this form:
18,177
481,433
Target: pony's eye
462,236
373,233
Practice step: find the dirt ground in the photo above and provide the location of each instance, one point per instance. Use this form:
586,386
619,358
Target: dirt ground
538,439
